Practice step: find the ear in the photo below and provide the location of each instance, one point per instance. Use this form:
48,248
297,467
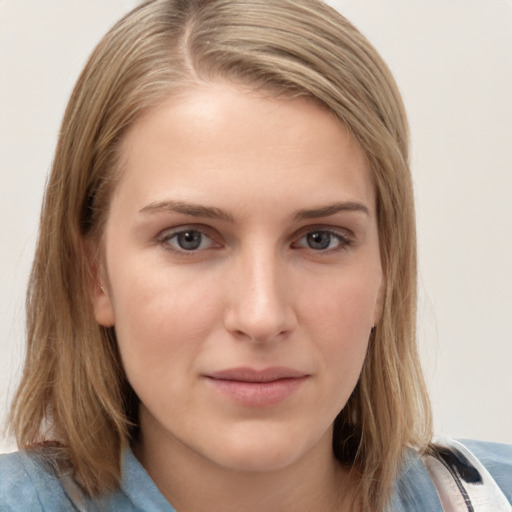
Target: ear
379,301
102,305
100,298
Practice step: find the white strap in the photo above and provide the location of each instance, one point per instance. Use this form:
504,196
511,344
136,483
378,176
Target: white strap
456,493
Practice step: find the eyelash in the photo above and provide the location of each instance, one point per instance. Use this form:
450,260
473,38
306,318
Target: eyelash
344,240
167,236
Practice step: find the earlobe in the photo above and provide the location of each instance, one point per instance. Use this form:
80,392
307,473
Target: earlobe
102,306
100,296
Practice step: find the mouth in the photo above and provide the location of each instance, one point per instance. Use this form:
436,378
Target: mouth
257,388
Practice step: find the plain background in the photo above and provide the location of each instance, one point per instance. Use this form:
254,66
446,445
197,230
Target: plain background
453,63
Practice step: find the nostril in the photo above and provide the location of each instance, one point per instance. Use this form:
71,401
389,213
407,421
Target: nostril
260,337
240,335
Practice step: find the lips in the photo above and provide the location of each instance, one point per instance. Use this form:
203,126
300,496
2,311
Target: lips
257,388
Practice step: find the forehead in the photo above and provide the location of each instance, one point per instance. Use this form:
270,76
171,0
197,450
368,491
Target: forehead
218,137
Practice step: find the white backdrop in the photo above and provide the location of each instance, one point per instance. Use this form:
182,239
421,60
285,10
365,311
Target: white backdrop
453,62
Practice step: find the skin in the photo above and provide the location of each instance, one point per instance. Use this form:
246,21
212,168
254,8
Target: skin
280,278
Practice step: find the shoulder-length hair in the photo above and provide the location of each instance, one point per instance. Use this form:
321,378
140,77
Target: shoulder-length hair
73,388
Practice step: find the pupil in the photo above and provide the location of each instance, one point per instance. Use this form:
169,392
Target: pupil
189,240
319,240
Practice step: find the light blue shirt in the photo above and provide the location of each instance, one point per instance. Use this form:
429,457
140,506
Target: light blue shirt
25,486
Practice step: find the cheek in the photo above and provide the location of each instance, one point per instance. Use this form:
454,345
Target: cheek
161,319
345,306
340,318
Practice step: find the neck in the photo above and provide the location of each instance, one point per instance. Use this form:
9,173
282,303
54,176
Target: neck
194,484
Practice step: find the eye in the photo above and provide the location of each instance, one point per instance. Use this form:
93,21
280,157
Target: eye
323,240
187,240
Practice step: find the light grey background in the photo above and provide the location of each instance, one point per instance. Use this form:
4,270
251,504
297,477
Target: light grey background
453,62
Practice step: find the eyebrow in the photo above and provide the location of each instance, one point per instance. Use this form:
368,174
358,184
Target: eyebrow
194,210
331,209
209,212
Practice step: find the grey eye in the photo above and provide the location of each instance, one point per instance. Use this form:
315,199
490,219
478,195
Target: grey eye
185,239
321,240
189,240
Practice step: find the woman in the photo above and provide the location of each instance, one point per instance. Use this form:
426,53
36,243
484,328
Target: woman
221,313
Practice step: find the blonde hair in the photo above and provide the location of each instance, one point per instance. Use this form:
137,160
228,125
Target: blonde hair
73,388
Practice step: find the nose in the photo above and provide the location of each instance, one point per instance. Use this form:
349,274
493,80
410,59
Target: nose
260,305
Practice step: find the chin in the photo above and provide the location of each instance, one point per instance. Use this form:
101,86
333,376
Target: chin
260,452
257,461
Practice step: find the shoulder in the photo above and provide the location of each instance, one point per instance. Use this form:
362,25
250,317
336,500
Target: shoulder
26,485
471,472
415,488
497,459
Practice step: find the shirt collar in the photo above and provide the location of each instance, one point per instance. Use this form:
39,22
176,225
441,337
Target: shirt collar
414,490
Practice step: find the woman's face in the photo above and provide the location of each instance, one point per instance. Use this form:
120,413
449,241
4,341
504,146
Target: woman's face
242,274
